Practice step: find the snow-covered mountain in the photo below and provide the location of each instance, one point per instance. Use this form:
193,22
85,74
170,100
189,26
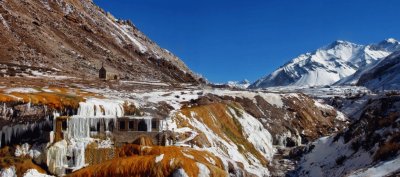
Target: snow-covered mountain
329,64
239,84
384,75
244,84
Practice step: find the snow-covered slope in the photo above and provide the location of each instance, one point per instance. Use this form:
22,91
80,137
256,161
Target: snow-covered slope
328,65
384,75
369,147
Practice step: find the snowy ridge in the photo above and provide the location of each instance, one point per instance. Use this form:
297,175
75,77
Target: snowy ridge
329,64
384,75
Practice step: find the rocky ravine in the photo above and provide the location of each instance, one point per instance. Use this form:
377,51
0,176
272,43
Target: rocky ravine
370,146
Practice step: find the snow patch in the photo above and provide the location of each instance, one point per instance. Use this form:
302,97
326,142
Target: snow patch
159,158
4,22
203,170
25,150
21,90
124,31
35,173
8,172
255,132
381,169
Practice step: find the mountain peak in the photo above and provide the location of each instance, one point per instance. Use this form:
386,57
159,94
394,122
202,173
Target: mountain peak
389,44
339,43
392,40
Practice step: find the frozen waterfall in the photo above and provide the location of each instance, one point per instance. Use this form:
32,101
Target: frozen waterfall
100,108
90,115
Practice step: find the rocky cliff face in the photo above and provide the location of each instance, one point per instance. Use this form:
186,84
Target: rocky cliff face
76,36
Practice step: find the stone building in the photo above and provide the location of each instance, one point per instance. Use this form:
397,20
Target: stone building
102,72
105,75
121,130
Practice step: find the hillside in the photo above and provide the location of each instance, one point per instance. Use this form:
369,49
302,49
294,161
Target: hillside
76,37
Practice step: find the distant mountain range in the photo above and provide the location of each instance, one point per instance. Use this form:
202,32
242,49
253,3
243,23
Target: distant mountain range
234,84
339,63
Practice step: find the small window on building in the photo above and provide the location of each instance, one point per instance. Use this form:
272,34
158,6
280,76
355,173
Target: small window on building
95,128
64,125
122,125
131,125
154,124
142,126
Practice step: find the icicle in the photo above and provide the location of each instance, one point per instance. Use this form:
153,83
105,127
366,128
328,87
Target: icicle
56,114
106,122
45,110
4,110
148,123
11,111
1,135
28,105
78,128
79,155
7,134
51,137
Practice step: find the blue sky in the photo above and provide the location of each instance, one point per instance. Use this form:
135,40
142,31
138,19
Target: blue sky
246,39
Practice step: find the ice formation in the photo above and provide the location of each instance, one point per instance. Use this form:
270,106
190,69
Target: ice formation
70,152
26,150
56,157
100,108
15,131
8,172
